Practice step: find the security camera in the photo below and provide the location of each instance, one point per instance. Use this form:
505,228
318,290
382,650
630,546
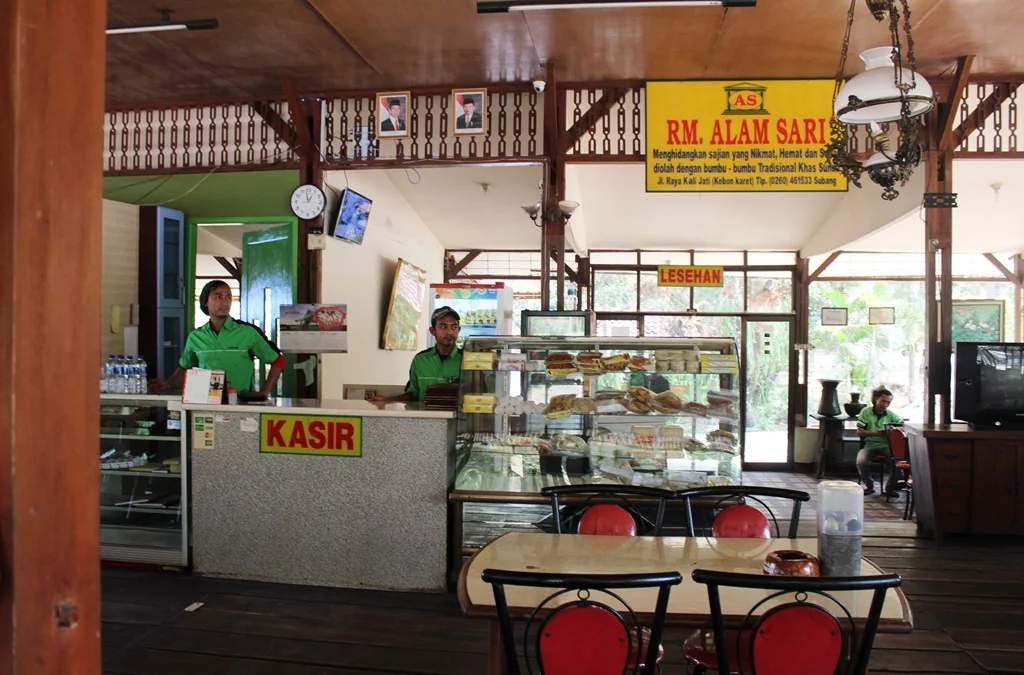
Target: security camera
538,85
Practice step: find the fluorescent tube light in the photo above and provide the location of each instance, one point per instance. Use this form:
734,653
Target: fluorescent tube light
197,24
503,6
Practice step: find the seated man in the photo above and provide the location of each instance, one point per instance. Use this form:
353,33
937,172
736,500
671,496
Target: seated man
871,427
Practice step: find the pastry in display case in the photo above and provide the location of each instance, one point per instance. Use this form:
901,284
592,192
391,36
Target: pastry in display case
662,412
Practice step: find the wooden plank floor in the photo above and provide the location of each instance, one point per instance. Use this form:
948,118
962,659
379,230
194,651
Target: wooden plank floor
967,597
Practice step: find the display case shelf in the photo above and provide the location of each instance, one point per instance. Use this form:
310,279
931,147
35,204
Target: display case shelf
140,532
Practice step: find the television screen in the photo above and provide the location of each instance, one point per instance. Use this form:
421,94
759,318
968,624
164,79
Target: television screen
352,216
1000,377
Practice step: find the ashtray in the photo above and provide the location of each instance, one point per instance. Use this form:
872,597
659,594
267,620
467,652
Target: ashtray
791,564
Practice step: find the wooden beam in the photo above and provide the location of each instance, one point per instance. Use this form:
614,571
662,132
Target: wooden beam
298,114
52,60
1018,300
235,272
589,119
1010,276
568,271
284,131
938,288
977,118
949,108
462,264
824,265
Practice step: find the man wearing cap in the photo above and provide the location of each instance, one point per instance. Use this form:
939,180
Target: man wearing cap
226,344
440,364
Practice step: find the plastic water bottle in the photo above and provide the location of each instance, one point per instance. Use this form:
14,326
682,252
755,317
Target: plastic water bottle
108,375
131,379
119,376
143,384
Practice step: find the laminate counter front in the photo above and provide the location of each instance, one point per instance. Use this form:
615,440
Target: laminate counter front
967,481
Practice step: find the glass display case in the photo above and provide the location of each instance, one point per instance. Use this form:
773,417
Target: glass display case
537,411
143,466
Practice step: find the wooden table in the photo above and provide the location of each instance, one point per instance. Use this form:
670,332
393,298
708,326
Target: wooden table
830,440
688,604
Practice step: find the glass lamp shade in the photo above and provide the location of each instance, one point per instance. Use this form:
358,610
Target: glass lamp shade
877,159
876,88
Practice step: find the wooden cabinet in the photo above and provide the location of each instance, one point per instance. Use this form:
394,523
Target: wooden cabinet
951,476
968,481
997,505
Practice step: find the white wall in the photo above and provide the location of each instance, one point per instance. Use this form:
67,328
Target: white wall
360,276
120,271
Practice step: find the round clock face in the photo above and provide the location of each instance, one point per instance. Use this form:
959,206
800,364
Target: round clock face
308,202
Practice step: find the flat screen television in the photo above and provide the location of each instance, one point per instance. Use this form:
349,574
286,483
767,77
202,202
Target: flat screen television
989,384
353,212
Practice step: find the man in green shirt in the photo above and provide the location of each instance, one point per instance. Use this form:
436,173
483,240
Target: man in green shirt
871,427
226,344
440,364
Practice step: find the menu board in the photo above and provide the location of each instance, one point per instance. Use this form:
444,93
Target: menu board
314,329
402,325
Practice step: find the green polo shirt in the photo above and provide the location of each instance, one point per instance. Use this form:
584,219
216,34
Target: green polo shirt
869,421
428,368
232,350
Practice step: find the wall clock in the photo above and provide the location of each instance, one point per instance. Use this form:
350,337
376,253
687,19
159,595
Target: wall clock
308,202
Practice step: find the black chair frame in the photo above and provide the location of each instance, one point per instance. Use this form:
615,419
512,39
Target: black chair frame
751,492
582,497
583,585
857,644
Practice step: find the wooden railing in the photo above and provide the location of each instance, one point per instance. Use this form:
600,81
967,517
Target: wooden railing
242,135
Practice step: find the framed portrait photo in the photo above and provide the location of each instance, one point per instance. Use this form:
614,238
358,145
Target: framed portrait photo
469,112
393,114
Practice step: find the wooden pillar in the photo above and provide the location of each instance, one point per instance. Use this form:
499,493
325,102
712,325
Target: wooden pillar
1018,288
553,228
801,335
938,292
51,153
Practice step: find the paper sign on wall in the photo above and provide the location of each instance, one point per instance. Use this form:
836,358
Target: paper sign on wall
311,435
203,434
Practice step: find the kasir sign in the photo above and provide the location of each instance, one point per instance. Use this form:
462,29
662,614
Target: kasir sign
724,136
311,435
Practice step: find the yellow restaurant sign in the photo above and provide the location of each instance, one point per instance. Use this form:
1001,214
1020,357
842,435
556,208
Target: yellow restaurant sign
684,275
311,435
736,136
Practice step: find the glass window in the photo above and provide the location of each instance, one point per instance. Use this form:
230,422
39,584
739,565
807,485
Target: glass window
617,328
665,258
771,258
655,298
615,291
727,298
863,356
613,257
691,326
769,292
718,257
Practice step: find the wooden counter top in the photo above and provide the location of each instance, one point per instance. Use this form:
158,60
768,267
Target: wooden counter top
964,431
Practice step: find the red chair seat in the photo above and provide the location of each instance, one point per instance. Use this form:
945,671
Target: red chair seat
645,644
741,522
607,519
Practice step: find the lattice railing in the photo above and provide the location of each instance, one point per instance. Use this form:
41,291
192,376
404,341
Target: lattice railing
193,137
514,130
197,137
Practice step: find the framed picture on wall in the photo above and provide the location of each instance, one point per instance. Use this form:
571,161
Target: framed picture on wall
881,315
393,114
978,320
469,112
833,316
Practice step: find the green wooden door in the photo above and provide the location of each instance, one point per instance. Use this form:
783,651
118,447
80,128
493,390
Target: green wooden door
269,273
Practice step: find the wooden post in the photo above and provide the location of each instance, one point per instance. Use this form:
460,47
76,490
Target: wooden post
801,334
938,291
553,229
51,153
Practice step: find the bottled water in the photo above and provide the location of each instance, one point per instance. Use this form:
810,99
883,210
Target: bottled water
109,385
129,375
143,384
119,375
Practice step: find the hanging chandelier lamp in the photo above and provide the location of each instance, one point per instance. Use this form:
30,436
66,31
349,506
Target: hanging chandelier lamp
885,92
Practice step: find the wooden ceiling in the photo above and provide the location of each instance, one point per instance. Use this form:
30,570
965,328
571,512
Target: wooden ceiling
334,45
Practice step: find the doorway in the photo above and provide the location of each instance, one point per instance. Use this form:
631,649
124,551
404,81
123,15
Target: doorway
258,259
767,374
